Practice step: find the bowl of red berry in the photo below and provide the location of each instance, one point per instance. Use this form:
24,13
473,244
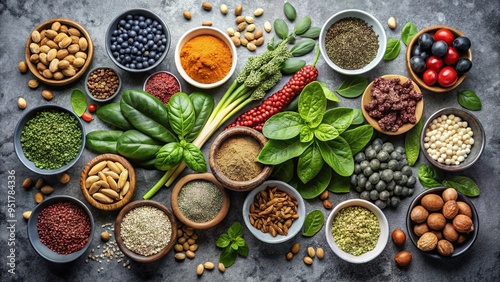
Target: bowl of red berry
438,58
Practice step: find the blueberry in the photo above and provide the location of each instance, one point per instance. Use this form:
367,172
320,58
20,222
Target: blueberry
132,66
139,65
142,24
150,43
148,21
129,17
463,65
439,48
113,47
115,32
141,18
157,57
461,44
149,36
425,41
119,40
116,54
128,59
145,64
155,23
124,44
159,27
122,22
132,33
417,64
128,26
156,38
124,36
151,61
152,54
121,51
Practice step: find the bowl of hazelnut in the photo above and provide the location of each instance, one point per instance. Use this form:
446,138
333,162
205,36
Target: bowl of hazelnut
442,222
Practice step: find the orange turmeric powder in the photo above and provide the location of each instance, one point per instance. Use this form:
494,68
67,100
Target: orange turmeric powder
206,58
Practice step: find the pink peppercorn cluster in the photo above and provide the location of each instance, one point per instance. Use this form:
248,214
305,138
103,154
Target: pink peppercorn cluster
393,104
162,85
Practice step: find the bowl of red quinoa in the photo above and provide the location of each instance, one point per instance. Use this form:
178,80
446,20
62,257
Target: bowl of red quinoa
102,84
145,230
60,229
162,85
392,104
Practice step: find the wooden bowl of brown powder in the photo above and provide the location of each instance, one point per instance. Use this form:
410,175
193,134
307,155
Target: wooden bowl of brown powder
233,159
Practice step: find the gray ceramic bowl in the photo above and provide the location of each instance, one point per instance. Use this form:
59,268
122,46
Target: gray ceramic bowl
114,25
18,147
476,149
43,250
112,96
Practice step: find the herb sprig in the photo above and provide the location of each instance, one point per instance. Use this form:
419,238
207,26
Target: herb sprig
232,244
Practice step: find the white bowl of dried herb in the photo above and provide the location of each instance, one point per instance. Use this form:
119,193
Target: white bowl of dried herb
352,42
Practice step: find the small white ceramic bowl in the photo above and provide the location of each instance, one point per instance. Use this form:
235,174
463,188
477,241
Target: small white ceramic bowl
371,21
296,225
382,239
204,30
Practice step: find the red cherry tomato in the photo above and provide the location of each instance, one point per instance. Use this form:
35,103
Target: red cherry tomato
434,63
445,35
447,77
430,77
92,108
451,57
87,117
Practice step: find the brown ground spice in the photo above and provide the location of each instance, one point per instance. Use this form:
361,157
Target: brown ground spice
237,158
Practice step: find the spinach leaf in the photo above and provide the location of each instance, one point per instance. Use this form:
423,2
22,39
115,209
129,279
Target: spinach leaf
303,47
339,184
337,154
408,32
111,114
136,145
469,100
284,171
282,126
352,86
147,114
358,137
302,25
194,158
281,28
340,118
358,117
203,106
313,223
463,185
309,164
290,11
78,102
181,114
325,132
392,49
306,134
146,164
103,141
278,151
316,186
169,156
312,104
329,93
291,66
412,143
313,32
429,176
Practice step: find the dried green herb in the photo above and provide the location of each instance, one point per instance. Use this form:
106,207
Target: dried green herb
392,49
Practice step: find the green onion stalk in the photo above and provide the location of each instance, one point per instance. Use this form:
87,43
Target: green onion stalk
260,74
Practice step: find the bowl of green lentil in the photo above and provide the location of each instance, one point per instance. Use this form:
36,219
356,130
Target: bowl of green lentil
357,231
352,42
49,139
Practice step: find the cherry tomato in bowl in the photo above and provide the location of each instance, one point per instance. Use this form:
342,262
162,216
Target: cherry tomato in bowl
444,34
451,57
430,77
434,63
447,76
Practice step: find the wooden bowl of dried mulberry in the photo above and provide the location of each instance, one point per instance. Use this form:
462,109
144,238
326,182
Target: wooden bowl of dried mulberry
59,51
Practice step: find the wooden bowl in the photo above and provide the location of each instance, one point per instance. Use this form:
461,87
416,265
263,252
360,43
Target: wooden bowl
186,221
131,175
67,80
415,77
367,98
219,175
137,257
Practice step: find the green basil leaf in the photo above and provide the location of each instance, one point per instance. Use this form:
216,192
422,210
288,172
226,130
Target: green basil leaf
228,257
181,114
223,241
243,250
340,118
303,47
312,104
463,185
337,154
234,246
469,100
279,151
302,25
313,32
103,141
429,176
194,158
169,156
136,145
408,32
316,186
78,102
352,86
339,184
313,223
306,134
358,117
281,28
235,230
412,143
282,126
203,106
290,11
309,164
325,132
329,93
292,65
147,114
284,171
146,164
111,114
239,241
358,137
392,49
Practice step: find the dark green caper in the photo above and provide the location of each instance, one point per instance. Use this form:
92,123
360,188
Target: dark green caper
403,180
375,164
354,179
395,201
357,169
369,186
396,156
397,175
406,170
374,178
359,157
398,190
368,171
377,147
378,141
410,191
380,186
365,195
405,192
384,195
373,195
400,150
386,175
364,164
371,154
383,156
388,147
359,189
393,165
391,185
411,181
403,162
380,204
361,180
383,166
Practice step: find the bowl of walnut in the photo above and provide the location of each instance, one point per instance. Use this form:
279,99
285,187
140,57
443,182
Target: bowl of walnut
442,222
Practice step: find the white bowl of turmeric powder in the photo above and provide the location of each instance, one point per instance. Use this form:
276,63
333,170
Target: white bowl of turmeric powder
205,57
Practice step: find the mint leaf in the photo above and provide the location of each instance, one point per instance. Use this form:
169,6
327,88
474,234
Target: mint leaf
228,257
223,241
235,230
243,250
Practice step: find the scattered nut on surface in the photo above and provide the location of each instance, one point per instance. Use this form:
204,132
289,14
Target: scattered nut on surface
258,12
223,9
403,258
21,103
238,10
206,6
26,215
308,260
105,236
27,183
38,197
391,23
46,190
33,83
199,269
65,178
39,183
209,265
310,252
23,67
327,204
187,14
295,248
221,267
268,27
320,253
206,23
47,94
289,256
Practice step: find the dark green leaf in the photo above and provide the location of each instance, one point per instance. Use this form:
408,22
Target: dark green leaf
136,145
469,100
78,102
412,143
111,114
340,118
103,141
239,241
392,49
284,171
429,176
408,32
194,158
337,154
358,117
223,241
352,86
312,104
279,151
329,93
169,156
270,45
181,114
317,185
290,11
339,184
358,137
281,28
291,65
243,250
325,132
235,230
203,106
146,164
313,223
313,32
309,164
228,257
306,134
303,47
283,126
302,25
234,246
463,185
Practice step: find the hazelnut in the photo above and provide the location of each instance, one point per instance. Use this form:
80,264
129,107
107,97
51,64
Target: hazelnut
427,242
450,209
461,239
436,221
449,194
420,229
464,208
105,236
419,214
403,258
445,248
27,183
449,232
463,223
432,202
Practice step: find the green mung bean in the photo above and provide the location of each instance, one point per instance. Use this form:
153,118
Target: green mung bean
51,139
200,200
